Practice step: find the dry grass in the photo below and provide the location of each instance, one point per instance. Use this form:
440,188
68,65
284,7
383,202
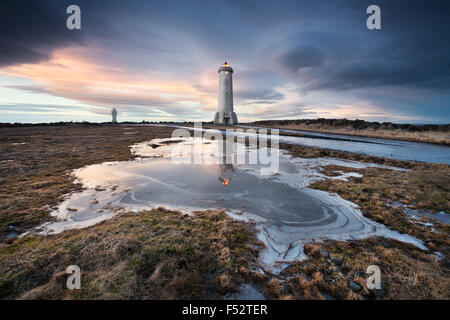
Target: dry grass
157,254
426,186
34,176
407,272
164,254
436,137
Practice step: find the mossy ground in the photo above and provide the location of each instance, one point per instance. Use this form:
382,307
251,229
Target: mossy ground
35,163
407,272
167,255
157,254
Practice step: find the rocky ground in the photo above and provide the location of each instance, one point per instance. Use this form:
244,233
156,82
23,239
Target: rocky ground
407,272
165,254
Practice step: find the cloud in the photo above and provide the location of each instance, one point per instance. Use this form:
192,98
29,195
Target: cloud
31,30
71,77
291,58
424,72
303,57
36,107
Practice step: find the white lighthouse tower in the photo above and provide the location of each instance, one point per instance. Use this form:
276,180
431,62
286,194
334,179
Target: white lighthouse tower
225,113
114,115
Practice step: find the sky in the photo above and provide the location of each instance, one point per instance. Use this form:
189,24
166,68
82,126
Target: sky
159,60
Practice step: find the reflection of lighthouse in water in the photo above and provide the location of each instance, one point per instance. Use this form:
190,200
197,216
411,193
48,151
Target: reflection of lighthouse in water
225,113
226,158
114,115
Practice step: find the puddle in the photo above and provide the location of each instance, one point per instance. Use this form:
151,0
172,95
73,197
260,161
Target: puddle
416,214
391,149
327,296
394,149
246,292
287,213
11,235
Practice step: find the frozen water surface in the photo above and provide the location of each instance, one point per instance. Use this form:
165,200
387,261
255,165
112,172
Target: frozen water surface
286,212
391,149
415,214
246,292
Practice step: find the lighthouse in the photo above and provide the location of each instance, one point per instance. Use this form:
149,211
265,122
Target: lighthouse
114,115
225,113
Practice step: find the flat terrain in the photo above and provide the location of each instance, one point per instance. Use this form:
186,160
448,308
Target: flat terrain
35,163
167,255
437,134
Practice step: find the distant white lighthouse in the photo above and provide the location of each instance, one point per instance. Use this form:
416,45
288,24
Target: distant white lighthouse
225,113
114,115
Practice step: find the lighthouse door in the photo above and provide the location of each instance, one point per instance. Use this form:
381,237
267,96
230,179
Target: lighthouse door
226,120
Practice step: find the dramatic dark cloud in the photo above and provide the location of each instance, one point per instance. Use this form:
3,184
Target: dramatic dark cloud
410,50
289,55
30,30
302,58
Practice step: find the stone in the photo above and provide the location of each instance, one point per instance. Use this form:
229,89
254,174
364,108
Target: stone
324,253
337,261
355,287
